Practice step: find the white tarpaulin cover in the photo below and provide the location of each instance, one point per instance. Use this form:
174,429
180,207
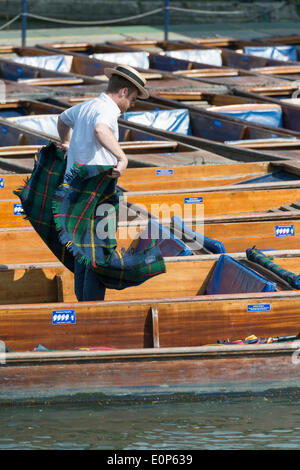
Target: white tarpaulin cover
175,120
61,63
45,123
134,59
210,56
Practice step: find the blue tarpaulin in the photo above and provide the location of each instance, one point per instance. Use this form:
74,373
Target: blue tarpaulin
284,53
231,277
270,115
272,178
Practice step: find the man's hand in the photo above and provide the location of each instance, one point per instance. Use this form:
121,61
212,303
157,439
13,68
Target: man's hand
64,146
119,169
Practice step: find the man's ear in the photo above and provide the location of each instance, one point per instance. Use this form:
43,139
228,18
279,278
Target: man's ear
123,92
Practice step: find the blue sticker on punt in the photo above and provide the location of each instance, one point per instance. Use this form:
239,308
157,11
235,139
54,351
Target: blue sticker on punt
18,209
258,308
1,183
190,200
63,317
169,171
285,230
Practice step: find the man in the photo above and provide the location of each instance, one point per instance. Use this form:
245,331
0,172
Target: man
89,134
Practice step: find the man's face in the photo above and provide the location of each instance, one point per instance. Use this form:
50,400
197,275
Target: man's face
127,99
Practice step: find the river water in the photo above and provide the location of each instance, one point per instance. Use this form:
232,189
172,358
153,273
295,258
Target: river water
252,423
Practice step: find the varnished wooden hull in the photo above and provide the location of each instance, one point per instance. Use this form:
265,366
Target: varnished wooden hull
149,375
158,353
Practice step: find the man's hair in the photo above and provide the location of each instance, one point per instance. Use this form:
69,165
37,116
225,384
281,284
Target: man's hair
116,83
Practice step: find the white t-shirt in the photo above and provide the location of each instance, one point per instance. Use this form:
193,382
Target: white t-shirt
82,118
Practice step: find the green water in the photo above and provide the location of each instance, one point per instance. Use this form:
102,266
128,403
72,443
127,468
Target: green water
258,423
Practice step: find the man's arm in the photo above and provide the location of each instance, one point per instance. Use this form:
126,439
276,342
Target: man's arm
64,133
106,138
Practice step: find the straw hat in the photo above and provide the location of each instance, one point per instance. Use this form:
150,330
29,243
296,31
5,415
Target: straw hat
132,75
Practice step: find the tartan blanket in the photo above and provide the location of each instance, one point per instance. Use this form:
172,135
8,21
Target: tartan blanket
67,213
259,257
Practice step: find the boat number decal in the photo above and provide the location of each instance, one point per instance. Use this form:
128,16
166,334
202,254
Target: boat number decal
1,183
165,172
285,230
63,317
18,209
217,123
4,130
190,200
258,308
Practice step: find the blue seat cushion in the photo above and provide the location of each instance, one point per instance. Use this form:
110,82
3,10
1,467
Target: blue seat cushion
214,246
230,277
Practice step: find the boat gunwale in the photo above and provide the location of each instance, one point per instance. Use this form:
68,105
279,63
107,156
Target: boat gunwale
209,351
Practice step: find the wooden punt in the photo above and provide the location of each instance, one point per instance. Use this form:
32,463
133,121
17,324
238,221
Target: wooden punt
240,59
235,63
217,200
190,70
198,150
168,346
278,229
151,179
143,148
216,123
206,121
14,134
233,59
268,148
199,102
36,282
157,356
174,177
83,71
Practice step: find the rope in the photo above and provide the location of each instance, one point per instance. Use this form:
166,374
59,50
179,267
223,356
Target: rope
128,18
10,22
207,12
55,20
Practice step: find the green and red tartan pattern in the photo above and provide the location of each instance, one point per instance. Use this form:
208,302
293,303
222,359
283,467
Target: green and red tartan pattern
37,195
64,215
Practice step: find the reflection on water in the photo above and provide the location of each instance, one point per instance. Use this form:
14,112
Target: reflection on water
248,423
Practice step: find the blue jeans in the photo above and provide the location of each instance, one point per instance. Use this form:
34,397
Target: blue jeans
86,283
